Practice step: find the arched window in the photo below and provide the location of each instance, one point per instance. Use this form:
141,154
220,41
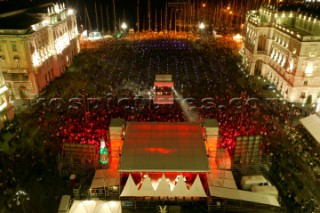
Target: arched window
17,61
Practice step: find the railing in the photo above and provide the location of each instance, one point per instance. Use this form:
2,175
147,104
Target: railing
262,52
281,71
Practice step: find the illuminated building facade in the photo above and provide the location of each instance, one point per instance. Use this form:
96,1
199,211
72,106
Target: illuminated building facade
6,111
36,46
282,44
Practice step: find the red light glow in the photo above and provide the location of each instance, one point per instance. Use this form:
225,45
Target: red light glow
160,150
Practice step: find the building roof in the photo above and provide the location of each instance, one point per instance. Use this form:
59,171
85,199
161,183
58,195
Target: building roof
163,77
312,124
162,146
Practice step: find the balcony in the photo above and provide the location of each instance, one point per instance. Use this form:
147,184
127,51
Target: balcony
288,77
16,70
262,52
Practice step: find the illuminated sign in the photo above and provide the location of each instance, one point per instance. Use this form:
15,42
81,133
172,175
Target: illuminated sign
103,152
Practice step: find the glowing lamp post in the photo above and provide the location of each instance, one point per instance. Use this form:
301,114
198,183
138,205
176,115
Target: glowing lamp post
237,38
201,27
103,152
124,26
19,198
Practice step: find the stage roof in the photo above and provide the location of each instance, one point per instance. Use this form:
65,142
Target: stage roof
163,146
312,124
163,77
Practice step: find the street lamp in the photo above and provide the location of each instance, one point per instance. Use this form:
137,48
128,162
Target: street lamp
124,26
20,197
201,27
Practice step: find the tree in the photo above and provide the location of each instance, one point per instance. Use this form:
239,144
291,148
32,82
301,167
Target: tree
309,100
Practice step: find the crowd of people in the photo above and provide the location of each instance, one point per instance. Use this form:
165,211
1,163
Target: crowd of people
116,81
124,70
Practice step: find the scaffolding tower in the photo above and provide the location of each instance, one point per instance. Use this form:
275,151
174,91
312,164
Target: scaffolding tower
247,157
79,159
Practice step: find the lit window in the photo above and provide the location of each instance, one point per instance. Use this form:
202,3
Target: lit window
280,58
17,62
272,53
309,69
283,61
291,64
313,52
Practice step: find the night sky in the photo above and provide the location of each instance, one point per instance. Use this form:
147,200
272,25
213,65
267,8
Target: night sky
126,10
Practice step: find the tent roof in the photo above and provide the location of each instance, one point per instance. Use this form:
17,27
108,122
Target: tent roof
163,77
163,188
235,194
95,206
162,146
312,123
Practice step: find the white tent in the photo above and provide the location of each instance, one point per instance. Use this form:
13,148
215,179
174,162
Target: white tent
312,124
146,189
163,188
181,186
196,189
130,189
95,206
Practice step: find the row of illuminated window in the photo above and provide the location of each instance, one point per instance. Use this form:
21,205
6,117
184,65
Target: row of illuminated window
42,40
55,19
281,39
284,61
280,58
3,63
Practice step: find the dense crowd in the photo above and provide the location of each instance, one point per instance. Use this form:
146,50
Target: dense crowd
116,81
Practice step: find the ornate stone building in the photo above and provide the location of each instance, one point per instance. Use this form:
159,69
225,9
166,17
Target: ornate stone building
6,110
282,44
36,46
